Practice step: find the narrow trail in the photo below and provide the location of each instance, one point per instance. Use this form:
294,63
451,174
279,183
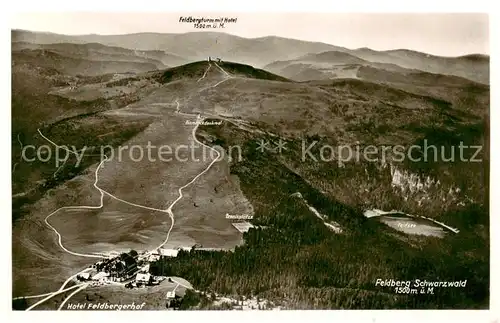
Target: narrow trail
223,71
179,284
65,148
58,169
59,146
52,294
20,142
33,296
131,203
103,192
95,183
205,74
228,77
20,157
61,288
169,209
85,207
72,277
178,111
224,80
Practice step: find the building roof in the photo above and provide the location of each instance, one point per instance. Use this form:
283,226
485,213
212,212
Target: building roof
100,275
242,226
168,252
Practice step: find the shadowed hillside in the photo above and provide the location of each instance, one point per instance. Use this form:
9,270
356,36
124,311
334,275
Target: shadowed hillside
473,69
304,128
100,52
77,66
332,57
251,72
193,46
197,70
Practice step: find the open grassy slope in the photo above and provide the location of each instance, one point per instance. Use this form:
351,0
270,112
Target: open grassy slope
294,259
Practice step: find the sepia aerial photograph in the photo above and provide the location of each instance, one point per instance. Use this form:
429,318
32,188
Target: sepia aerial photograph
249,161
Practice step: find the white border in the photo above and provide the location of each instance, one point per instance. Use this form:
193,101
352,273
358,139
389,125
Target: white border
256,6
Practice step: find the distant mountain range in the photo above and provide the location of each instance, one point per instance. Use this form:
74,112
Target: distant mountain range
334,64
280,55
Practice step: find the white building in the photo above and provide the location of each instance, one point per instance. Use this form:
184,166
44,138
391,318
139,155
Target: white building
145,268
142,278
242,226
100,276
153,257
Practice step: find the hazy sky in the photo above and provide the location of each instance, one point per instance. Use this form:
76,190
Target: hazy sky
439,33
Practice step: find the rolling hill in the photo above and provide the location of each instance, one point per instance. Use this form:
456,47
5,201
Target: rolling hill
73,65
335,65
474,69
191,46
266,50
99,52
333,113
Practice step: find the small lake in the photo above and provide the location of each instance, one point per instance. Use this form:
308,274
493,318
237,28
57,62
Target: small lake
410,224
414,226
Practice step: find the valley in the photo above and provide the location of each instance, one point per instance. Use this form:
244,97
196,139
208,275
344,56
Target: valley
160,146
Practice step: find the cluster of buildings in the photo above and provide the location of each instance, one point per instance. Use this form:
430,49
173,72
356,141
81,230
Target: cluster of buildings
129,269
217,59
156,254
143,279
116,269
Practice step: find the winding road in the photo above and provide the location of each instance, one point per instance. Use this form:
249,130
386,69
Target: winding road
103,192
169,209
52,294
82,286
101,204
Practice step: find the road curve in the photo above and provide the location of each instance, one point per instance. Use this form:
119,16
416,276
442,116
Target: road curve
78,208
52,295
83,286
168,210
